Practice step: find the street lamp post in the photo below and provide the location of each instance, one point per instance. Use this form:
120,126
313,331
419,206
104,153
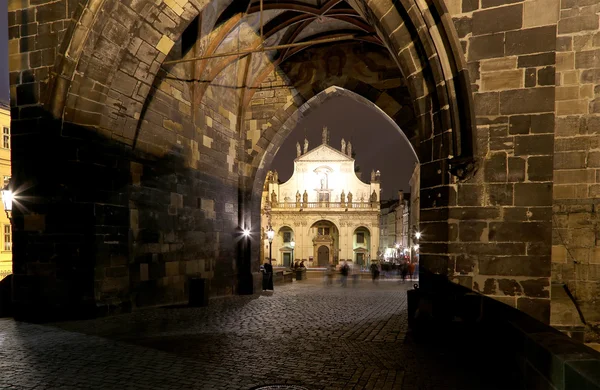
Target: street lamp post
292,244
270,236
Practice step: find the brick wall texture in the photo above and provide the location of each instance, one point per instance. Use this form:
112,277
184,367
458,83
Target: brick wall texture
161,164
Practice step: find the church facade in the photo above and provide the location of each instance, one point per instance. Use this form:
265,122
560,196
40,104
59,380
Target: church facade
324,213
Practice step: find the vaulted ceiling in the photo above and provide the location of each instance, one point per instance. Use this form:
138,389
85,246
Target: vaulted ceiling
286,22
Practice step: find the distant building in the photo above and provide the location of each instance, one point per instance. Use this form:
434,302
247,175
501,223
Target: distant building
5,173
324,213
415,190
394,228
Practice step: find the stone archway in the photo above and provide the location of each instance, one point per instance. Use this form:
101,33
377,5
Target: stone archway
160,172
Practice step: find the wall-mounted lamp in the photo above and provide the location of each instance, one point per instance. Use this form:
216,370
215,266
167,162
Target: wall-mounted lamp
7,200
246,232
418,235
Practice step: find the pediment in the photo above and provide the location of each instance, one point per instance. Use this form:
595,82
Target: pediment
324,153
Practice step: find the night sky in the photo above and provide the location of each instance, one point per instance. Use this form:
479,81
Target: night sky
4,94
377,143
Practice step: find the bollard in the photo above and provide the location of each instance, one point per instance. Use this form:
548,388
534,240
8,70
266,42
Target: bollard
198,292
412,297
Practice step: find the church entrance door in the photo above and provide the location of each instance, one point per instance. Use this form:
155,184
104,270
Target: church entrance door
360,258
323,256
287,257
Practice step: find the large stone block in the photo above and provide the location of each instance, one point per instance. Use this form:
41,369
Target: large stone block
474,213
575,176
516,169
488,46
540,12
529,100
533,194
496,168
542,144
472,231
572,160
577,24
537,308
500,80
487,103
499,194
537,266
497,19
587,59
539,168
520,231
533,40
535,60
570,191
503,63
470,195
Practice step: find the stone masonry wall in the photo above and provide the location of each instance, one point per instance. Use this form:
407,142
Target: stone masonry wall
170,159
576,235
503,218
158,202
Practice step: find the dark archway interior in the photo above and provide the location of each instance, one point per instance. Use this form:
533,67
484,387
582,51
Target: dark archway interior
190,132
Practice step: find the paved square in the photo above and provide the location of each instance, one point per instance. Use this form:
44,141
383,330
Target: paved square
304,333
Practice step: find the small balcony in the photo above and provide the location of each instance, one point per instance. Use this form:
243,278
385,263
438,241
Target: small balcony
325,205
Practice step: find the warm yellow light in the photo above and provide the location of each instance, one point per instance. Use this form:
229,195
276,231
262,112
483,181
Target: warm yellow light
270,234
418,235
7,199
246,232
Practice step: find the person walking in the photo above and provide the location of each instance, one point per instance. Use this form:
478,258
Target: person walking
411,271
344,270
403,271
354,273
374,272
267,282
330,273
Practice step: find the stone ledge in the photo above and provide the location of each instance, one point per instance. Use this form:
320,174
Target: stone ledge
542,354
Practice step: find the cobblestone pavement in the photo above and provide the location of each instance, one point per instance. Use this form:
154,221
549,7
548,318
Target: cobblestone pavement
305,334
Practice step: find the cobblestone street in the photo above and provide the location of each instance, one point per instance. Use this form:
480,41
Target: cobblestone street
305,334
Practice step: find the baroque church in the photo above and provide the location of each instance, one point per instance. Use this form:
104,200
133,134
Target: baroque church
324,213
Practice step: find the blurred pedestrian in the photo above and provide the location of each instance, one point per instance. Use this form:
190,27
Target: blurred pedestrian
344,270
403,271
411,271
329,274
354,272
267,282
375,272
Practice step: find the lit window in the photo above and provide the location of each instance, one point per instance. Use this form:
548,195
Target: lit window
7,238
323,231
6,138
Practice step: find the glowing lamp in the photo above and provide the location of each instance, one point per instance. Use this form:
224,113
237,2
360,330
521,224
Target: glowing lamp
270,234
246,232
7,199
418,235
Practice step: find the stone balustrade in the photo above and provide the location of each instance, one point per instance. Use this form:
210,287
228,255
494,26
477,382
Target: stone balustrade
325,205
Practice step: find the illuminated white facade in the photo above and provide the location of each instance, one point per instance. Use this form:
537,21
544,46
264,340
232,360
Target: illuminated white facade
324,213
